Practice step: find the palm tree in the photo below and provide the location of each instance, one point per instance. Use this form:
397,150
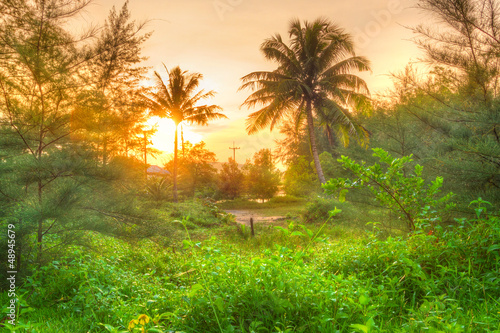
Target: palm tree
313,79
178,100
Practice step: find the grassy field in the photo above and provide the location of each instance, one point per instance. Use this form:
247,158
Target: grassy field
294,277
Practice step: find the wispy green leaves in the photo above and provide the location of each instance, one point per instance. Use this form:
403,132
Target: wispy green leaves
394,186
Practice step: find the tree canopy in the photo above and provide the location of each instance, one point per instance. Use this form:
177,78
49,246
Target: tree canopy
313,80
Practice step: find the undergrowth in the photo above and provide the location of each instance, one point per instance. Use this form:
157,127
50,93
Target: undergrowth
444,279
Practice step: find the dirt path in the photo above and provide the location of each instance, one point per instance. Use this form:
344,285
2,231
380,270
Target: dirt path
243,217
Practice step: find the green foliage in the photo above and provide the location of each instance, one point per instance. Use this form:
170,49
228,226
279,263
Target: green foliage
435,275
300,179
354,218
447,117
443,281
261,176
231,180
288,206
106,114
293,144
405,193
448,132
67,114
35,117
53,183
329,164
159,189
196,176
312,81
317,210
198,213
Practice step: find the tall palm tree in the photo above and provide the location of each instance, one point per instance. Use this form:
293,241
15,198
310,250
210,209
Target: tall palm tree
313,80
178,99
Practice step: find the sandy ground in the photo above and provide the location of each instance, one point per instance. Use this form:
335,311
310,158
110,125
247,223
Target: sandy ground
243,217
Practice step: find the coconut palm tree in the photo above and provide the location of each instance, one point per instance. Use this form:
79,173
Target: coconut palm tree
313,80
178,99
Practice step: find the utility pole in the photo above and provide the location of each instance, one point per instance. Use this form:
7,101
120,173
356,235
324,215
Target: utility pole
234,151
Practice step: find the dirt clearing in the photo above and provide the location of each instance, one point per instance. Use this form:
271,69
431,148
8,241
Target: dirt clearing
243,217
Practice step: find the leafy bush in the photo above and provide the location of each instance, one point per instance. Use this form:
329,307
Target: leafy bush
201,213
404,193
317,210
432,276
159,189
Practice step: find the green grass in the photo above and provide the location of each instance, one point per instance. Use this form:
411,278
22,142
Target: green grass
278,206
289,278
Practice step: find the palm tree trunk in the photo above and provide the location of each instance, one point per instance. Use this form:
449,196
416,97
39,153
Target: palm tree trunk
312,139
331,139
175,164
145,156
182,140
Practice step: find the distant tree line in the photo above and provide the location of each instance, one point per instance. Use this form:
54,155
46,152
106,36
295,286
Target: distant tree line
199,176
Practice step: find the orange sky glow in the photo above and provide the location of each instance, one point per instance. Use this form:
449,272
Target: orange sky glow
221,40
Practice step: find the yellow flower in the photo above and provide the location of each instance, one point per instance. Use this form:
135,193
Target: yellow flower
132,324
143,319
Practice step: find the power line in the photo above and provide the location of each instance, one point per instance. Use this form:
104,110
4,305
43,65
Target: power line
234,151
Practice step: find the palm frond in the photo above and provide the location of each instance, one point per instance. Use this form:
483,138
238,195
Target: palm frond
177,98
342,122
268,116
201,115
161,88
315,66
346,83
275,49
346,66
267,76
193,101
193,81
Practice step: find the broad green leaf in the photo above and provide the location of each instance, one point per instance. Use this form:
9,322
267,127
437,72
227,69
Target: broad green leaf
283,230
195,288
363,300
109,327
493,247
370,323
220,304
334,212
359,327
342,195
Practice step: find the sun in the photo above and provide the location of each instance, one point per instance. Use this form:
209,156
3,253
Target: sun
164,137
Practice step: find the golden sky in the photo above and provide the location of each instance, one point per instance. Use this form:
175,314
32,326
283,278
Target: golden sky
221,40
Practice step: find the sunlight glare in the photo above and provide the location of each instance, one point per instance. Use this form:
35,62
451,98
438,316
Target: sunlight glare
164,138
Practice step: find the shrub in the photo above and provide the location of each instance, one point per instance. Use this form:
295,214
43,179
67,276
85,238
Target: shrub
403,192
317,210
